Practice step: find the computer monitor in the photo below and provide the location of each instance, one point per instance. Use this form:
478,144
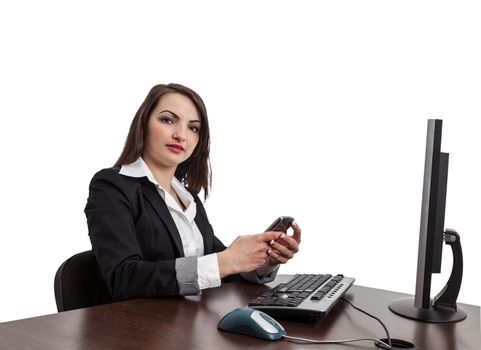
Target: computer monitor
443,307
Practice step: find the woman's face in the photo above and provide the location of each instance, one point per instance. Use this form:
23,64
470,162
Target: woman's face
172,131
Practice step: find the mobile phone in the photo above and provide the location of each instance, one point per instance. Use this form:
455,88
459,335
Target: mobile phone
282,224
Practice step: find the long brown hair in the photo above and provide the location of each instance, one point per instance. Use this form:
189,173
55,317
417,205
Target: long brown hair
194,172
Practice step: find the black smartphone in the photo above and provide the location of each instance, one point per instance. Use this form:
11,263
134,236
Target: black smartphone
282,224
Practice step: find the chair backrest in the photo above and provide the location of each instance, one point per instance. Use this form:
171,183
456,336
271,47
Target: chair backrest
76,284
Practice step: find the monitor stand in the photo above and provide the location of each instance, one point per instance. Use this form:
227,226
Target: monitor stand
443,308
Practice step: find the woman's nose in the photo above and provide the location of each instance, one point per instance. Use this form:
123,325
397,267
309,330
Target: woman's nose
179,135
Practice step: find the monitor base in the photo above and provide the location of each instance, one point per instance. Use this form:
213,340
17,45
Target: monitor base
438,314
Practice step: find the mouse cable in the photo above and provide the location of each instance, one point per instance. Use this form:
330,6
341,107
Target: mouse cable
340,341
377,341
370,315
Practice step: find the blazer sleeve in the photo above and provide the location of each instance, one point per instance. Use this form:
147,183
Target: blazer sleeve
110,218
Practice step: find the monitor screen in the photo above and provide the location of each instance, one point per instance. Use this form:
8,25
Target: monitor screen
432,213
432,235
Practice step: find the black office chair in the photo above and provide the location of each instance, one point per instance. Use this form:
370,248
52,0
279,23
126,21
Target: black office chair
76,284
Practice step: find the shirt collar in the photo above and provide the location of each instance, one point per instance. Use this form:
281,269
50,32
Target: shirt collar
140,169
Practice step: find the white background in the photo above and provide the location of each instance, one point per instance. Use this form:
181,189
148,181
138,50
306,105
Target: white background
318,109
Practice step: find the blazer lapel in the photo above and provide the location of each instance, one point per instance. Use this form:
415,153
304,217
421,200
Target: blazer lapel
153,196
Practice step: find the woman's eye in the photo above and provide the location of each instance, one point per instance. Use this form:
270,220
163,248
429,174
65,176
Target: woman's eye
195,129
166,120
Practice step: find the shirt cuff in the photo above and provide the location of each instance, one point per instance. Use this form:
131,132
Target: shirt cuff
186,274
264,270
208,271
263,274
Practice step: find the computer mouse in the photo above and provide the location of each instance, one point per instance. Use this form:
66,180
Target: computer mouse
252,322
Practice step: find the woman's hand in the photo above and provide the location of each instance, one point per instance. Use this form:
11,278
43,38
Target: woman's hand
250,252
284,248
246,253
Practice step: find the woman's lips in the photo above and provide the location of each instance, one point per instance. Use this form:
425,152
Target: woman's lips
175,148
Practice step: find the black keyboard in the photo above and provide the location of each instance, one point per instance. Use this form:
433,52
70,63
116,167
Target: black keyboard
304,296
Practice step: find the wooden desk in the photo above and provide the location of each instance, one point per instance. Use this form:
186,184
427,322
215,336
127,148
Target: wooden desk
191,323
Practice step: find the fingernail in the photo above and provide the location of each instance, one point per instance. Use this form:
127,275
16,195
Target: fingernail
272,242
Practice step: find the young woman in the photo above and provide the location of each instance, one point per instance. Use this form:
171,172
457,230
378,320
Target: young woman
149,230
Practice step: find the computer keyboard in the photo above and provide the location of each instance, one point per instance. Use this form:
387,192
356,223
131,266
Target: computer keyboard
304,296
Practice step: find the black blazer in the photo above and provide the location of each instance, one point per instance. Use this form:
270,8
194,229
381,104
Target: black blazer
134,237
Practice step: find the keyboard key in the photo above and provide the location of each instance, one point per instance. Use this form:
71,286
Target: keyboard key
325,289
317,296
331,283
